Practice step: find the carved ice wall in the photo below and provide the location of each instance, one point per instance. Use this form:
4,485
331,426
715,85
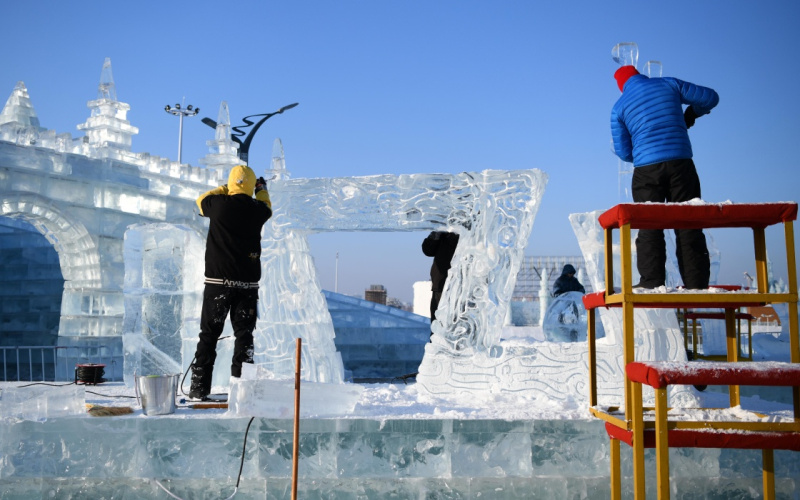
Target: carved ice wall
493,211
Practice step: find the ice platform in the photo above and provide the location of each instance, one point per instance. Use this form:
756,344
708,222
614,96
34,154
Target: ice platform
396,445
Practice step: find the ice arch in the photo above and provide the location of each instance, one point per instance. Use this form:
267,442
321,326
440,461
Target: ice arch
78,254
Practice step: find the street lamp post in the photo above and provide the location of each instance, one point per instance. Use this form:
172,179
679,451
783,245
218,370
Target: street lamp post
180,113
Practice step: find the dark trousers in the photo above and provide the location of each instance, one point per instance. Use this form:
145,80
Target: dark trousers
672,182
435,298
218,302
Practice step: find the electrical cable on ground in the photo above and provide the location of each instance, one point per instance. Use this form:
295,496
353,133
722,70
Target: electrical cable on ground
239,476
73,383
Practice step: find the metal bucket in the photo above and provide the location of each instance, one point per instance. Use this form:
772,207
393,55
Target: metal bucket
158,393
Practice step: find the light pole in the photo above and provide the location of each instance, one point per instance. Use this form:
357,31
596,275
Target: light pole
180,113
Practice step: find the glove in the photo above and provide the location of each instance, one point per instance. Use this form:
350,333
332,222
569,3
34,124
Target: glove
689,117
260,184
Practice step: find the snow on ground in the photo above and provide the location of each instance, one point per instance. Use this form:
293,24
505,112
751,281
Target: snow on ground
398,400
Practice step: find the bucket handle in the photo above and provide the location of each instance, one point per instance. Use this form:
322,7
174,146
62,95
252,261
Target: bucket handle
136,387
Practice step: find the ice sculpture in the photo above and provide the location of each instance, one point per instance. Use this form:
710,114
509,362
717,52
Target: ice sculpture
625,54
565,319
544,295
82,194
163,294
493,212
658,334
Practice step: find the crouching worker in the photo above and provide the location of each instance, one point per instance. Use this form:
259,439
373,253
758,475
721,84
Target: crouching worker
233,270
567,282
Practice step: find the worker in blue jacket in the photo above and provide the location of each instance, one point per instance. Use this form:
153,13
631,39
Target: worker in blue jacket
649,128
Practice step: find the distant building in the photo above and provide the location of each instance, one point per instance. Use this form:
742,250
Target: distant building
376,293
422,298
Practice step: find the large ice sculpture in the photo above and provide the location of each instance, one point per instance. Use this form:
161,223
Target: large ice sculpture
493,212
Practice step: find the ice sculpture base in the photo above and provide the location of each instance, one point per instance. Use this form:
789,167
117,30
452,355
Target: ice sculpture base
42,402
552,370
196,454
276,398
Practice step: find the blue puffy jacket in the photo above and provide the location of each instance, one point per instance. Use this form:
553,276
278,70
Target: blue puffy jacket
647,122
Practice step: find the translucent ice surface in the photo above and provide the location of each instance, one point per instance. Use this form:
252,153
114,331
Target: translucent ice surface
163,293
264,397
565,318
625,53
40,402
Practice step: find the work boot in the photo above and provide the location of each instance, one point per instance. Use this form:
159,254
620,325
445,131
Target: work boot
201,383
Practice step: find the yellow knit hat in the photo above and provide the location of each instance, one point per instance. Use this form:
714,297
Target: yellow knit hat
242,180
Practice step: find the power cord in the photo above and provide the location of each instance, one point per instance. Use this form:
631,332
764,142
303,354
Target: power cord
75,383
239,476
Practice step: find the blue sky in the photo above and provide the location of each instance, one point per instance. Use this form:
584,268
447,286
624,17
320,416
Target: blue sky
430,86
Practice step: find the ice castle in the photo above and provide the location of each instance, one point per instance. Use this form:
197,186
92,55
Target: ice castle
129,246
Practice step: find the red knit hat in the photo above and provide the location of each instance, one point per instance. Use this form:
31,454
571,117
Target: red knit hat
622,75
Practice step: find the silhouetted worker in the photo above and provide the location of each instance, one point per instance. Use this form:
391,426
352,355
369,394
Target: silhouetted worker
233,270
567,282
649,128
440,245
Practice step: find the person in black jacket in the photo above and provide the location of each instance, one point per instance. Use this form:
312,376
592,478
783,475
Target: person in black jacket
567,282
233,270
440,245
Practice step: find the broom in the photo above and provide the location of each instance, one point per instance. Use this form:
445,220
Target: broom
108,411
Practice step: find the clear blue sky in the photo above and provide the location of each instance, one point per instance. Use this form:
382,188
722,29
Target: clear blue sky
429,86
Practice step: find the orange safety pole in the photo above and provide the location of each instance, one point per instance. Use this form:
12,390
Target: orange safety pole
296,445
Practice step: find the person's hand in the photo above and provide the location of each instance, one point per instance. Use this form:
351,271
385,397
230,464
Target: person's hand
260,184
689,117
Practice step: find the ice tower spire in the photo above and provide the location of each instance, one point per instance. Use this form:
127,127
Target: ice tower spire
107,89
278,170
108,131
223,151
19,109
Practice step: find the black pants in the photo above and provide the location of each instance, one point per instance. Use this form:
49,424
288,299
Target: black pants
218,302
435,298
672,182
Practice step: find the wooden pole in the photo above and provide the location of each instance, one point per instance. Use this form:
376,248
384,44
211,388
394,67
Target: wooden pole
296,445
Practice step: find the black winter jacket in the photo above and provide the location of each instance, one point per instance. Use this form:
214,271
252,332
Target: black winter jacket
440,245
233,247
